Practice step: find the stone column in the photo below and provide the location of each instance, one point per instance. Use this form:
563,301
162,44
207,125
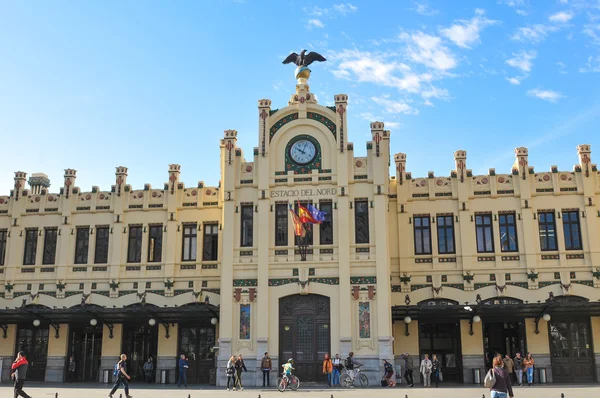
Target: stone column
7,354
407,344
167,353
472,350
588,181
539,347
172,237
15,243
57,354
117,237
65,241
111,350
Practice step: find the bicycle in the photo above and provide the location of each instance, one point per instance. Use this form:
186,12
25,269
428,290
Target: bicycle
347,380
283,382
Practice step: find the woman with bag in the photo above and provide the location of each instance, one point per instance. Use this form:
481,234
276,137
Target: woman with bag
498,381
231,372
529,362
328,369
436,369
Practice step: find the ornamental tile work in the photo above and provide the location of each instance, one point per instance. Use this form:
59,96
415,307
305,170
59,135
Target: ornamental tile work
245,282
322,119
281,122
363,280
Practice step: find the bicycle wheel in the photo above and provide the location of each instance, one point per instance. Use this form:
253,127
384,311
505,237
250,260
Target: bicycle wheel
364,380
281,384
295,383
346,381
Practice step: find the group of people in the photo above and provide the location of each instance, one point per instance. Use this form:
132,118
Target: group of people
235,367
333,367
515,367
428,368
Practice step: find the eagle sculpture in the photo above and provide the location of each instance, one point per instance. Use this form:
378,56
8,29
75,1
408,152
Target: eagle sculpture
304,59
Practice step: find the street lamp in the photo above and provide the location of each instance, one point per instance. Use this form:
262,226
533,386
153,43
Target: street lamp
36,322
476,319
546,317
407,321
214,321
152,322
93,322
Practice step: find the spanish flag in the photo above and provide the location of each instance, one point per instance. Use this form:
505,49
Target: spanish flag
306,216
298,227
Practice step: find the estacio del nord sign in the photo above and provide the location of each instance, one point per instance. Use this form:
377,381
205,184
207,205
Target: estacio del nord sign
306,192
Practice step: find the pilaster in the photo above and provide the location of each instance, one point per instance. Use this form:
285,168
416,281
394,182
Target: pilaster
7,354
466,238
589,181
111,350
167,354
57,355
117,236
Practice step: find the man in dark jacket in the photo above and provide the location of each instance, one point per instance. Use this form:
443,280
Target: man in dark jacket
19,367
408,368
183,367
266,366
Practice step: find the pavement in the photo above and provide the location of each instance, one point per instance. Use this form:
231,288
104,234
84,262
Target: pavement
39,390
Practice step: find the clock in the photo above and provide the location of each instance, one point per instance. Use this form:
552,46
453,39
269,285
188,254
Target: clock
303,151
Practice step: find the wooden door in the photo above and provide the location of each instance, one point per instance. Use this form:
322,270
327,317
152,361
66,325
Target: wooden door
571,351
34,343
196,344
304,334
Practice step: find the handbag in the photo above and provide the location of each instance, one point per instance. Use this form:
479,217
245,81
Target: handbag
440,376
490,379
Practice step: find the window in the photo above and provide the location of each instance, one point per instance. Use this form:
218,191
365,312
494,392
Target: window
508,233
49,246
422,231
82,244
547,226
326,227
31,236
445,230
3,237
134,249
308,240
210,243
189,243
101,252
572,230
247,224
155,243
281,224
484,233
361,221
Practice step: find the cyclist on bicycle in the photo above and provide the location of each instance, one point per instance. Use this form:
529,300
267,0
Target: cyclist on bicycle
352,364
287,370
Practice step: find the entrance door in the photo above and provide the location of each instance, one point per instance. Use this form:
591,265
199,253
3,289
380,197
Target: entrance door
196,342
86,348
442,339
140,342
304,334
34,343
503,338
571,350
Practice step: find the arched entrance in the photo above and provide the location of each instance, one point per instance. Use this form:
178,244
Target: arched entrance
304,334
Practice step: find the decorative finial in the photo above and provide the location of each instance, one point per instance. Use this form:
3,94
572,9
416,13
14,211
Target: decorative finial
302,72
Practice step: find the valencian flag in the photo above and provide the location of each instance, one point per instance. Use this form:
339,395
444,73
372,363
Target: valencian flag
317,214
305,215
298,227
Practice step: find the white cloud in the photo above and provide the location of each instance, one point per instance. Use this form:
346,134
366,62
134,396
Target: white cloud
428,103
561,17
546,95
342,9
593,31
535,33
315,23
435,92
522,60
391,106
345,9
464,33
518,5
514,80
429,51
392,125
422,8
562,68
522,13
592,65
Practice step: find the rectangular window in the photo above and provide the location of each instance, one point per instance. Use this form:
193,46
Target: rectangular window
445,230
308,240
572,230
281,224
189,243
134,248
210,244
31,236
82,243
3,237
547,226
155,235
361,221
101,252
508,232
247,224
422,230
50,235
326,227
484,233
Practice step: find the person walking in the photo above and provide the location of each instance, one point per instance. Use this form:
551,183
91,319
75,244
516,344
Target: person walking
436,369
19,368
148,370
509,365
529,362
408,368
388,369
231,372
351,365
266,365
183,367
425,370
518,361
239,367
502,388
122,377
71,369
337,370
328,369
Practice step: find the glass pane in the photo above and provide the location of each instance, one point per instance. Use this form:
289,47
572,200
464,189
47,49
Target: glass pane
559,333
305,338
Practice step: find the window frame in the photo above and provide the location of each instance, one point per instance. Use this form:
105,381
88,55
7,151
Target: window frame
309,236
446,228
82,237
3,245
190,234
485,226
545,224
134,257
419,247
247,225
210,242
155,231
281,224
569,224
100,234
326,227
506,224
45,253
364,216
32,245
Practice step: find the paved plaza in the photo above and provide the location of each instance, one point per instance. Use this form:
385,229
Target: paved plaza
89,391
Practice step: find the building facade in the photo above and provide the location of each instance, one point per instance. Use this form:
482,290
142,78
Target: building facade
462,266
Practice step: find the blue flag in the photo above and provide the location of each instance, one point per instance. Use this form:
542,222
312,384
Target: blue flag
317,214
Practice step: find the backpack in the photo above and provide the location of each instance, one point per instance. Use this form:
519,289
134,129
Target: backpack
348,363
116,369
490,379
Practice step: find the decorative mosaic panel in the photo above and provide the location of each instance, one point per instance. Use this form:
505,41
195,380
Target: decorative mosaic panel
364,320
325,281
245,282
363,280
459,286
322,119
524,285
245,322
280,123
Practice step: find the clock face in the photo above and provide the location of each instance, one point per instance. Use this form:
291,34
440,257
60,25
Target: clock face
303,151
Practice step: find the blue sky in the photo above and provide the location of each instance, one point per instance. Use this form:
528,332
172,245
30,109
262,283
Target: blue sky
97,84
